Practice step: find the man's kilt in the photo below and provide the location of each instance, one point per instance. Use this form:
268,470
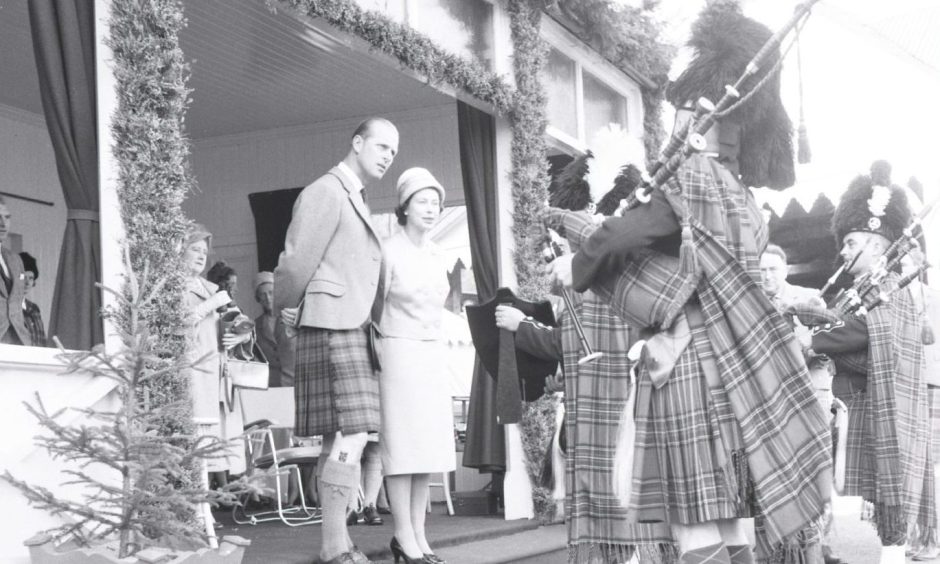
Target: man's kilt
335,386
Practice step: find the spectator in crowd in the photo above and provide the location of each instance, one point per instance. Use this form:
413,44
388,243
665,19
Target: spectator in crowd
268,326
13,329
417,437
214,413
773,272
224,276
31,314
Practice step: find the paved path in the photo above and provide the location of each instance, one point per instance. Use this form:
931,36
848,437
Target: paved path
481,540
854,540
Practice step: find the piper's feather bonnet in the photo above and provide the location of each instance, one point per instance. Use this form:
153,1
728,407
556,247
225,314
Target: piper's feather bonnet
570,190
873,205
724,41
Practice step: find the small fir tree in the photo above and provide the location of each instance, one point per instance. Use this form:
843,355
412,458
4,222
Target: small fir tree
142,503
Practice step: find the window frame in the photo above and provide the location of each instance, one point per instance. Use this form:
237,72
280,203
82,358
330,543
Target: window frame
586,60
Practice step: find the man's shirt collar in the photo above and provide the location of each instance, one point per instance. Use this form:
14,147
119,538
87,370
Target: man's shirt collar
350,176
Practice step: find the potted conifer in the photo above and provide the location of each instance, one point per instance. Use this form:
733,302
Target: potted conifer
151,506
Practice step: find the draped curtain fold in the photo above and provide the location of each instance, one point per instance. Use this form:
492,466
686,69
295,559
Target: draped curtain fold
63,34
485,448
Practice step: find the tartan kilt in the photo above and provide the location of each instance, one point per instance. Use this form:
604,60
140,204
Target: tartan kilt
859,461
933,394
683,430
600,530
335,387
861,472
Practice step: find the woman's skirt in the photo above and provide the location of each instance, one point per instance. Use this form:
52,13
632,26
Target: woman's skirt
417,434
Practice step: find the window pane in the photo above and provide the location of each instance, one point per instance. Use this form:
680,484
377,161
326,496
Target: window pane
463,27
559,79
602,107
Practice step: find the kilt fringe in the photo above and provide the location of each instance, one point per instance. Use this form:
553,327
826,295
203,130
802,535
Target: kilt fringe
919,535
743,484
803,548
608,553
894,528
889,521
794,553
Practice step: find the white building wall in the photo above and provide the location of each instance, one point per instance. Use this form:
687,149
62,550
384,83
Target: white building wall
26,373
230,168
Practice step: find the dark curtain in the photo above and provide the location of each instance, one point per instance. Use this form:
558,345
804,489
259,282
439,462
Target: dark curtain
485,447
64,46
272,211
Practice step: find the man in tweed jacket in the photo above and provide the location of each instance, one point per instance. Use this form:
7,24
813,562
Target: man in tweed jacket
326,285
13,330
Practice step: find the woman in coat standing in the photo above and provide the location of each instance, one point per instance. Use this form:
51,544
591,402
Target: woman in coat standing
417,436
215,411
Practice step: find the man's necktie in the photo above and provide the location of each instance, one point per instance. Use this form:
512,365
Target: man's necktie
5,275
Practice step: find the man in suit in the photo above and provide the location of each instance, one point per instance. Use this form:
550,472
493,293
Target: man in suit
327,285
774,271
13,329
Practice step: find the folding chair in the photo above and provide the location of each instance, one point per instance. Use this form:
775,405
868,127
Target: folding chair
264,456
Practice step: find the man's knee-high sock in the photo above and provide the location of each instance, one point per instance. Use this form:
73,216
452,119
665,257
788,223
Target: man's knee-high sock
336,484
354,494
741,554
714,554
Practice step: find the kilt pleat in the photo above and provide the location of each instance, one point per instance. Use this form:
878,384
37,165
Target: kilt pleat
600,529
335,387
859,463
682,432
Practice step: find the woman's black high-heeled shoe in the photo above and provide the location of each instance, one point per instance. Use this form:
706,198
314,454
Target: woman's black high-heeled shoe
432,558
398,552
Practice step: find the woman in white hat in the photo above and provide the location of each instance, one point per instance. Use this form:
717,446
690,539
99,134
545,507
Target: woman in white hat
417,437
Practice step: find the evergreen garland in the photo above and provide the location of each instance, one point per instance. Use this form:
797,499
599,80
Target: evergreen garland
413,49
529,152
151,152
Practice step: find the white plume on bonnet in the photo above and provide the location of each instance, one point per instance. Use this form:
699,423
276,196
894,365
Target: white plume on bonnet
613,148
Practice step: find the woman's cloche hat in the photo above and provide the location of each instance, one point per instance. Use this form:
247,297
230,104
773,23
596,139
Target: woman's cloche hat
198,232
415,179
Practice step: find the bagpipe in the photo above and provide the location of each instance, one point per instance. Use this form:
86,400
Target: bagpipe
685,140
867,291
690,138
551,252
